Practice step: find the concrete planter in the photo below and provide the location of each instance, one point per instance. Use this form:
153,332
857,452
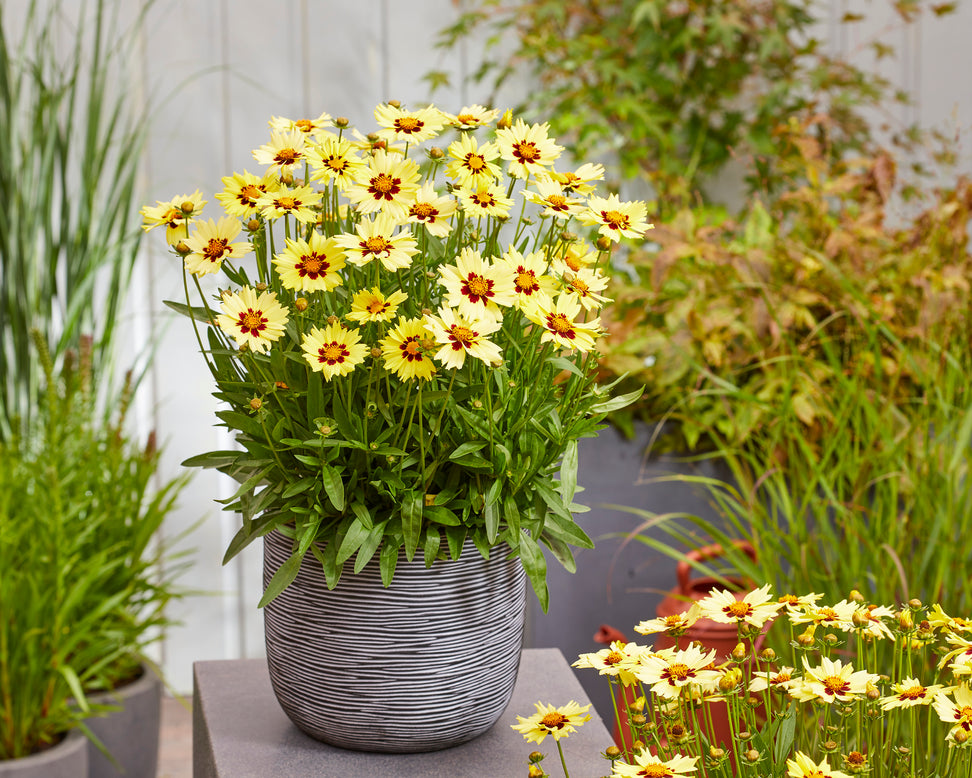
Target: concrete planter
131,734
68,759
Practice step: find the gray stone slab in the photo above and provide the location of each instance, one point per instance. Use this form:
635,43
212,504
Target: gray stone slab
239,731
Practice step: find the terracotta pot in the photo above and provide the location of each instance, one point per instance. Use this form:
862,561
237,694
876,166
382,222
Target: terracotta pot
68,759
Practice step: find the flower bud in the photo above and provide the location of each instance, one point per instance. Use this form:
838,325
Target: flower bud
915,604
505,121
805,639
960,736
905,622
855,596
324,429
280,385
829,746
830,639
535,771
536,756
612,752
639,704
253,225
181,248
744,734
639,720
603,243
376,352
287,178
261,287
716,753
395,103
730,679
872,692
301,304
436,153
740,652
256,404
859,619
767,655
752,755
568,237
187,207
332,319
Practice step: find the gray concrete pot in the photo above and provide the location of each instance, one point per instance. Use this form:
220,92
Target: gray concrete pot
131,734
68,759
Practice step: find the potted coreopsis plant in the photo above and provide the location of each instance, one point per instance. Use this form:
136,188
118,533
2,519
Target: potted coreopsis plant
405,349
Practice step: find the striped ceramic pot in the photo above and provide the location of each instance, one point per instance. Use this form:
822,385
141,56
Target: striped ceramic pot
428,663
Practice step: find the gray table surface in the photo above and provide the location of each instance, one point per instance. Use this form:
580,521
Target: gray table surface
239,731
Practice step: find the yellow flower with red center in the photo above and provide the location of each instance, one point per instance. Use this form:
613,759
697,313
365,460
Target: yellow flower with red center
387,183
559,326
310,265
284,151
840,615
756,608
471,165
211,243
397,124
955,710
299,202
432,210
783,679
241,191
527,148
406,350
832,681
471,117
586,286
909,693
311,128
553,199
580,181
674,624
478,288
551,720
174,215
647,765
376,239
616,219
370,305
619,660
334,160
530,279
254,321
668,672
334,350
485,200
802,766
459,336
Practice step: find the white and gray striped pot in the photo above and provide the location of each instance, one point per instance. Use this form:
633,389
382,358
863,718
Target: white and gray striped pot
428,663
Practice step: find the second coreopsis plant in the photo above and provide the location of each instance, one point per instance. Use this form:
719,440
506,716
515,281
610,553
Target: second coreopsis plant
403,336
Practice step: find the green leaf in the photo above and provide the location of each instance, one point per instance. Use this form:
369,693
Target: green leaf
197,312
563,363
784,737
568,472
430,551
356,535
467,448
368,548
531,555
616,403
491,516
389,560
297,487
333,486
212,459
284,576
412,504
74,683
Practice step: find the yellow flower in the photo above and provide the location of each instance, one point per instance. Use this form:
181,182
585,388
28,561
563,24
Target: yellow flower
551,720
459,336
832,682
334,351
311,128
909,693
755,608
413,126
477,288
578,181
334,160
472,166
471,117
529,276
527,148
557,320
211,243
616,219
253,321
299,202
647,764
310,265
371,305
485,200
173,215
957,712
619,660
554,200
574,258
284,151
585,285
404,351
840,615
387,183
376,239
802,766
241,191
668,672
673,624
780,679
432,210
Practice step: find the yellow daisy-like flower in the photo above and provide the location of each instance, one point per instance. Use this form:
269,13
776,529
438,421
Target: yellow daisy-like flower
211,243
557,320
554,200
755,609
310,265
397,124
476,287
470,164
174,215
552,720
334,351
310,127
780,679
909,693
957,711
647,764
573,258
870,621
432,210
795,604
962,651
404,350
284,151
370,305
674,624
832,682
530,279
802,766
578,182
586,285
840,615
527,148
387,183
299,202
471,117
488,200
459,336
619,660
334,159
242,191
376,239
254,321
938,619
668,672
616,219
